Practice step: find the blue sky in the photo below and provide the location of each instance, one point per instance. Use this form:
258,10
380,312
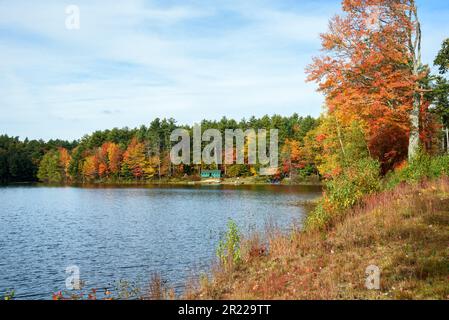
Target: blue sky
134,60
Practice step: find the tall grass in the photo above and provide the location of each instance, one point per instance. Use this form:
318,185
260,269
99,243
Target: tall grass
404,231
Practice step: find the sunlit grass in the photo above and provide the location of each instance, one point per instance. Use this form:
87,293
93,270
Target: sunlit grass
404,231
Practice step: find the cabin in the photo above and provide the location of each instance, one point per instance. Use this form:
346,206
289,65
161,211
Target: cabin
207,174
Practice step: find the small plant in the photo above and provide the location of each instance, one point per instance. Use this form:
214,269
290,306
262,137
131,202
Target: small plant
9,295
228,251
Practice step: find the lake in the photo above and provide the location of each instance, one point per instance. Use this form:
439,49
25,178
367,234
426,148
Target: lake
114,233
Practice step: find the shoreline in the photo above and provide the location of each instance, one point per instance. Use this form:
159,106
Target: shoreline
173,182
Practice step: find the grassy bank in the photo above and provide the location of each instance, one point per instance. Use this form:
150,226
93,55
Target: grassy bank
403,231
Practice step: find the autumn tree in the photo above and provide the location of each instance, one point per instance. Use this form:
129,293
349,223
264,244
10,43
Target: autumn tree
114,155
134,158
371,73
334,147
64,162
291,156
103,161
90,167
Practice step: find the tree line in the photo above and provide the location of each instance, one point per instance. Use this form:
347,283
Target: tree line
143,154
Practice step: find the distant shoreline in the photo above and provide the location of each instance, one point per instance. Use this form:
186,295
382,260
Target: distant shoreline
173,182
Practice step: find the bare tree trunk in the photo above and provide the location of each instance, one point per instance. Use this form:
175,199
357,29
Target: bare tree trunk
414,140
415,50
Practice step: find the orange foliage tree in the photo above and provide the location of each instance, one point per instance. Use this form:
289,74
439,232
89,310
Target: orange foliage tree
114,154
103,161
90,167
64,161
135,159
371,73
292,157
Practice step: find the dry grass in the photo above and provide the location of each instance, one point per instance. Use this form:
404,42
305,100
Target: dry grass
405,232
158,289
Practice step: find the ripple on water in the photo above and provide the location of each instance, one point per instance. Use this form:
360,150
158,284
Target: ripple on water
126,233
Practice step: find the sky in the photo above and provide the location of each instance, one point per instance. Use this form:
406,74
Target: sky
131,61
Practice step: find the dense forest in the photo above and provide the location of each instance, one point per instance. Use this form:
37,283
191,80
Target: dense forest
143,154
19,160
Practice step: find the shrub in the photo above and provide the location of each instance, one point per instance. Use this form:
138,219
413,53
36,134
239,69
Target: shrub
345,191
440,166
423,166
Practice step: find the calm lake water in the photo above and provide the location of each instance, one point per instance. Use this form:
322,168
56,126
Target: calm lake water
127,233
